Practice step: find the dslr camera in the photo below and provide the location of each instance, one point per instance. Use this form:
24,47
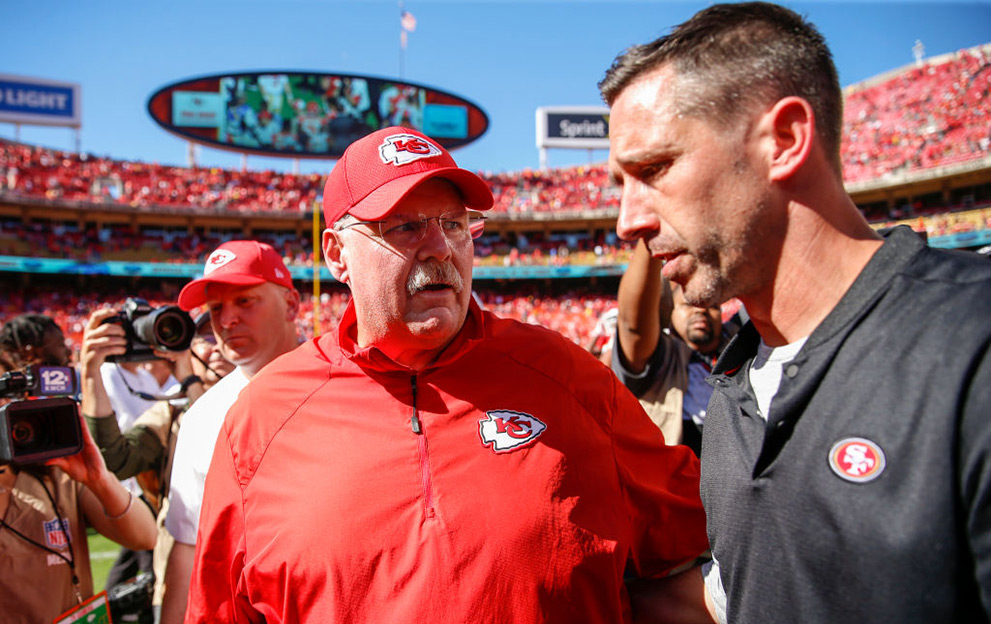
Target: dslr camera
167,328
34,430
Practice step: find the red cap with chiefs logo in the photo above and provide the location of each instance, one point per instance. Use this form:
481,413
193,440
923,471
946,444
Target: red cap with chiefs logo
380,169
240,263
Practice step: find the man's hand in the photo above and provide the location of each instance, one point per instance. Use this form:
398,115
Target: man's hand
180,361
86,466
677,598
100,340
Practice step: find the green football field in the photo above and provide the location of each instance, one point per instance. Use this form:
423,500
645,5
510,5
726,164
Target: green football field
102,553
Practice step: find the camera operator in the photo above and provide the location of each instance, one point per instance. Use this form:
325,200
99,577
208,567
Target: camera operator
45,509
146,450
33,339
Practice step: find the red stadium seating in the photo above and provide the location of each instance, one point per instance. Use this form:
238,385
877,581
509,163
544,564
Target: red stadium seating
925,117
929,116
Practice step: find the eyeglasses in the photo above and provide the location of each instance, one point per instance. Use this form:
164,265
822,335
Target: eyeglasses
401,231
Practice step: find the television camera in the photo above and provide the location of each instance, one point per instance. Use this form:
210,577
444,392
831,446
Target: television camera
46,424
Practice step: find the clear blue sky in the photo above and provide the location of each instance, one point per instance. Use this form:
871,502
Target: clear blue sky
508,57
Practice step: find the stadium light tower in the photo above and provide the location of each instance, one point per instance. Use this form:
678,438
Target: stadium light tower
918,51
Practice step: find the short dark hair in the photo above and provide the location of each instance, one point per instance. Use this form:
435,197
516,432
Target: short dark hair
732,57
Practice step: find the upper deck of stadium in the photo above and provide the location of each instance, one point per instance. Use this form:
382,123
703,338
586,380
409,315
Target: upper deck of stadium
916,143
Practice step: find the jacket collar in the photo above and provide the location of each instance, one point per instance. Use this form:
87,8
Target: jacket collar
900,246
372,357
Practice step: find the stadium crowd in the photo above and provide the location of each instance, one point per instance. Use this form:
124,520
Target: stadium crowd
573,313
123,243
36,171
584,187
936,114
39,172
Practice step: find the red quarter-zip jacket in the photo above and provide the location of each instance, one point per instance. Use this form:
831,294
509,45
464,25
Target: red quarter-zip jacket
513,480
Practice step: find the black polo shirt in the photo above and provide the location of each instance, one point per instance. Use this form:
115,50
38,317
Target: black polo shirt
866,496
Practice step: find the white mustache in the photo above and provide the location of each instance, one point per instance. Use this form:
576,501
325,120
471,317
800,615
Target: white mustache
425,274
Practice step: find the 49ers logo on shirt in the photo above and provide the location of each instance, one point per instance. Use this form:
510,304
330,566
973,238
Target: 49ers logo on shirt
856,459
402,149
506,430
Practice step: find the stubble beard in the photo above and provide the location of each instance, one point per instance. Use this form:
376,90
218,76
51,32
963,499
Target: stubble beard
707,285
724,267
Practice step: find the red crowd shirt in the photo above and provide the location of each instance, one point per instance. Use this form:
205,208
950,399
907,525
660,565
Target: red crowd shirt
511,481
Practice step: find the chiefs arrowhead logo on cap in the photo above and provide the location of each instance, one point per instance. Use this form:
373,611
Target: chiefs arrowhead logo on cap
218,259
402,149
856,459
506,430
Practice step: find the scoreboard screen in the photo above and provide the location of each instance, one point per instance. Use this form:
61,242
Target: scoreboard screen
306,114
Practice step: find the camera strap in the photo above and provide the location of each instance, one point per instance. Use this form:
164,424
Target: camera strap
71,559
147,396
181,393
206,365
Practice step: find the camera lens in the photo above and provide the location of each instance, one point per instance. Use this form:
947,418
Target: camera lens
170,329
22,433
167,328
29,432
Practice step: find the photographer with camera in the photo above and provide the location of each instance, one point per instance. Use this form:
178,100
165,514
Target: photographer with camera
131,382
145,451
128,342
47,504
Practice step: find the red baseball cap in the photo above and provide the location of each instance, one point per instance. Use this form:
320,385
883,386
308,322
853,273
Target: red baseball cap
380,169
241,263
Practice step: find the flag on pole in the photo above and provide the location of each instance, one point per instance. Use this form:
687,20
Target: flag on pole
407,21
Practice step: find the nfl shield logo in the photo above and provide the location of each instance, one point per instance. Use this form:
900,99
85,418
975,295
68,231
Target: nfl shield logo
54,535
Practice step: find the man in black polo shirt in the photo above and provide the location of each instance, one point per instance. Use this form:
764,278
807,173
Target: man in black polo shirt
846,463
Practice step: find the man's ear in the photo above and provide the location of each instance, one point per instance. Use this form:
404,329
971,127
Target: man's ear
292,304
334,255
791,124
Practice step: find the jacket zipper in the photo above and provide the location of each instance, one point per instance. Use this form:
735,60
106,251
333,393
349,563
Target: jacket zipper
417,426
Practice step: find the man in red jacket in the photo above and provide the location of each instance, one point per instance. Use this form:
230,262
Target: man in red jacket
428,461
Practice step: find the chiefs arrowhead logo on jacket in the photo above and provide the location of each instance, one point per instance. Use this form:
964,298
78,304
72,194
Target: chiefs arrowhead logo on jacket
506,430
